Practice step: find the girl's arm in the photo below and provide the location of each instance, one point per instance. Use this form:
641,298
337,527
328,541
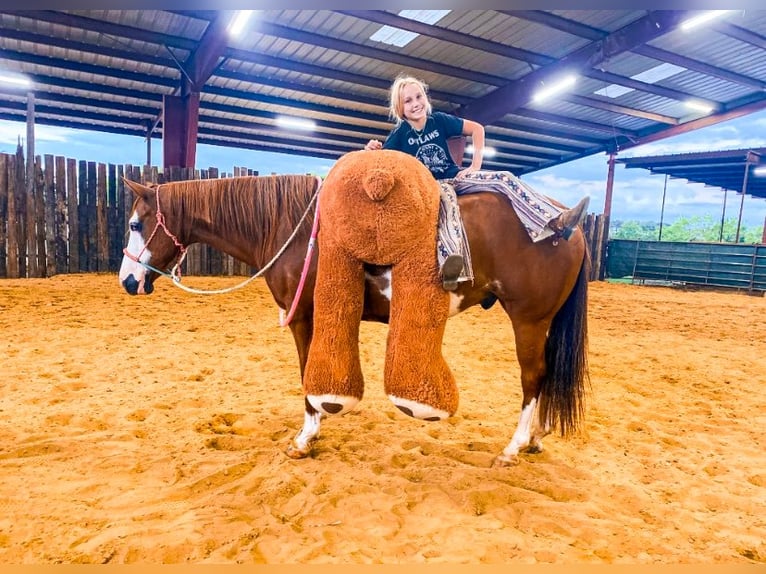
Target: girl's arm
476,131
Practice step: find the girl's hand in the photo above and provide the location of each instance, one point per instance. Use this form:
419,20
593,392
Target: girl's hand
466,171
373,144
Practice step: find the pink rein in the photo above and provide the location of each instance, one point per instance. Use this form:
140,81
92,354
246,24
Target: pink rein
306,262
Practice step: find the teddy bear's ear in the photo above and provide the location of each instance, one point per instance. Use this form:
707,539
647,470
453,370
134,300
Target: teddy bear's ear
378,183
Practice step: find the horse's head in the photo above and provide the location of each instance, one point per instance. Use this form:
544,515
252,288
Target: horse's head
151,246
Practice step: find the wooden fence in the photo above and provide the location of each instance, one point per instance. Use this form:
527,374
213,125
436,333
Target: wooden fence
73,218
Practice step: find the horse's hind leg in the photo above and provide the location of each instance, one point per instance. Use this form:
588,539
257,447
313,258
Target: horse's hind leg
530,350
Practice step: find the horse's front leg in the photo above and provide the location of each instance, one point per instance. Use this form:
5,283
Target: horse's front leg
530,350
300,447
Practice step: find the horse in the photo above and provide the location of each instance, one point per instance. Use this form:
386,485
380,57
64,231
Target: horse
541,286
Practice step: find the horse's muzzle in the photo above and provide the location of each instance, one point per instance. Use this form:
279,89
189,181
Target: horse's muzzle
131,285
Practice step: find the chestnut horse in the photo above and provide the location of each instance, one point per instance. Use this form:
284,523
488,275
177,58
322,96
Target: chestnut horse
541,286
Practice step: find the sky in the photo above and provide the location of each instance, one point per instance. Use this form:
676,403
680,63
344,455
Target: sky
637,194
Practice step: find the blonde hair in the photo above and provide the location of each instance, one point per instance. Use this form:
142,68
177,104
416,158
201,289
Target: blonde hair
396,105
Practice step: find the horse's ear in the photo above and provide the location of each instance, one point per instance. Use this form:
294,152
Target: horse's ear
139,189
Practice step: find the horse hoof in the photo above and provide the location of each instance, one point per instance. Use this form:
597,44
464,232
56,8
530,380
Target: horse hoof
418,410
332,404
504,461
295,452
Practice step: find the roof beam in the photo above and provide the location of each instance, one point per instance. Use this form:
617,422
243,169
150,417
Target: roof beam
107,28
496,104
583,31
732,31
467,40
624,110
204,60
286,33
697,66
558,23
742,107
441,33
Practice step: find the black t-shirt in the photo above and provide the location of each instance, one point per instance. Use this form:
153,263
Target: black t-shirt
430,144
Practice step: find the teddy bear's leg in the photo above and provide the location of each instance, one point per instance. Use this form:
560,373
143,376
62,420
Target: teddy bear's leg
333,381
417,378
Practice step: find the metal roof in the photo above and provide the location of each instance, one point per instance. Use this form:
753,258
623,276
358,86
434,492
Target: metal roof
109,70
724,169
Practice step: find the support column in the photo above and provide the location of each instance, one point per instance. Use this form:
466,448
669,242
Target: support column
609,186
179,130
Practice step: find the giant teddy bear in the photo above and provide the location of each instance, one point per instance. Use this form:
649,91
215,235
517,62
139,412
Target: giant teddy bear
380,207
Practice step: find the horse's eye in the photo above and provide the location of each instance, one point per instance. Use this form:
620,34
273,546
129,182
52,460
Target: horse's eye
135,226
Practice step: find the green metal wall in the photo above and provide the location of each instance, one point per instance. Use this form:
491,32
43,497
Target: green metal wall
732,265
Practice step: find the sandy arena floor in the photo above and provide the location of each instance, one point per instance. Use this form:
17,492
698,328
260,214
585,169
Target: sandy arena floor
152,429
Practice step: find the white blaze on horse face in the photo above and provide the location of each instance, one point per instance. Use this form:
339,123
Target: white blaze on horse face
135,246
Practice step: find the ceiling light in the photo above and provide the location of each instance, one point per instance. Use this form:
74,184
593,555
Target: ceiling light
702,19
239,21
398,37
699,106
487,152
554,89
296,123
15,80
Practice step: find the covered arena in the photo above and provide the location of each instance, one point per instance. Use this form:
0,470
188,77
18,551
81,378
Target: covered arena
153,430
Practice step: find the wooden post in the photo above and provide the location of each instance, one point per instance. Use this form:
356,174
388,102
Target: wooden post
92,238
38,219
82,216
49,200
61,215
21,205
35,267
102,230
73,220
3,214
13,223
113,217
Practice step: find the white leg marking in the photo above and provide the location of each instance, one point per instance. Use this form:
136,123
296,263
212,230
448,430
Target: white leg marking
521,437
309,432
418,410
539,432
332,404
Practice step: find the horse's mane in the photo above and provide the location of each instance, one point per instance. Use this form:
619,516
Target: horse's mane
250,206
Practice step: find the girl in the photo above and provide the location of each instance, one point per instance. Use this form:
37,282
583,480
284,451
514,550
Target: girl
423,133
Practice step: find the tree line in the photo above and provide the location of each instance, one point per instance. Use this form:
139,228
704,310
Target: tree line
696,228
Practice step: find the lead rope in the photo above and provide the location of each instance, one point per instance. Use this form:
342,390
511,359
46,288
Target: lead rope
175,276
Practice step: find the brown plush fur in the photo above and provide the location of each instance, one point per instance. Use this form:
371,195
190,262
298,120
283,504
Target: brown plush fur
380,207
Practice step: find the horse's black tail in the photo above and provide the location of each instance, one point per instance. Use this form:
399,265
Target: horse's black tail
562,395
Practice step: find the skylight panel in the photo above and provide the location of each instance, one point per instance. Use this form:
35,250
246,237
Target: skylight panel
654,75
397,36
650,76
613,91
